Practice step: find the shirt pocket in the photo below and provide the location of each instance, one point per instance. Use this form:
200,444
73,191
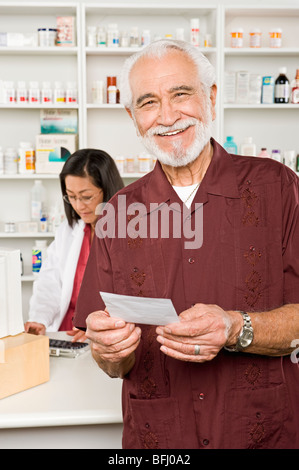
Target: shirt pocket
257,418
139,269
153,422
251,261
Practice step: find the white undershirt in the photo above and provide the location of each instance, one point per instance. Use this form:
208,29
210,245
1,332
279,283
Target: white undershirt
184,192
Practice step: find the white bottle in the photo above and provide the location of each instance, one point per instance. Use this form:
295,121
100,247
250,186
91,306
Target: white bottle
26,161
9,92
10,161
22,95
39,251
112,94
37,200
248,147
194,25
1,161
46,94
71,92
34,93
97,92
59,93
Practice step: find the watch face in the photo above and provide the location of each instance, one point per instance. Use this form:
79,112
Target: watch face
246,338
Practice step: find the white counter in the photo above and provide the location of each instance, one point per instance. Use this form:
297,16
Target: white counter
80,407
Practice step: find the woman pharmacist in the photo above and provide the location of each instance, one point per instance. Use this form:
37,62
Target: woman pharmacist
88,178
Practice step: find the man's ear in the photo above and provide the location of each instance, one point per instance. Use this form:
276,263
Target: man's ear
213,95
129,112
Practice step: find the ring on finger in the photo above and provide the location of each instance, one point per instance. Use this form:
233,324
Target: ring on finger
196,350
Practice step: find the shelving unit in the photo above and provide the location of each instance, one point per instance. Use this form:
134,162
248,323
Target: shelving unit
108,126
275,120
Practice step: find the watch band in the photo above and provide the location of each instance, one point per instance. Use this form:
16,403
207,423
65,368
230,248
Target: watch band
246,335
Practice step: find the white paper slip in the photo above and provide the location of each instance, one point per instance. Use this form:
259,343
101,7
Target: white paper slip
143,310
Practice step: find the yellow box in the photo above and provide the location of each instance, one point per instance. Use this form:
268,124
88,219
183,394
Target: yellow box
24,363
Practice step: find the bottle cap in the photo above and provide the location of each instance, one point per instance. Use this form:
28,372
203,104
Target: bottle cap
283,70
111,81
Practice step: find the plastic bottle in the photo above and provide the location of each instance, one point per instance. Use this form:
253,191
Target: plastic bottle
237,37
10,161
275,37
37,200
22,96
38,255
295,89
26,156
264,153
1,161
255,38
34,93
97,92
282,87
289,159
248,147
230,145
46,93
59,93
145,37
276,155
101,37
71,92
134,37
194,26
9,92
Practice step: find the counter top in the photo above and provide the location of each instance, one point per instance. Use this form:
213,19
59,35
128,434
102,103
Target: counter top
78,393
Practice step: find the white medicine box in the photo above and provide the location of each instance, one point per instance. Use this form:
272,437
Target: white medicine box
52,151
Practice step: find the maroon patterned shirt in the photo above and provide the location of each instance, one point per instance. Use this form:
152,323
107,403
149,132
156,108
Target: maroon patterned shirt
249,260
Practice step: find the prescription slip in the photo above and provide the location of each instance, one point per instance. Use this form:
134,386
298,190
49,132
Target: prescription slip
143,310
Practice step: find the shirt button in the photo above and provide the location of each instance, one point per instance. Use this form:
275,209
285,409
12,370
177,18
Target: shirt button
147,425
191,260
201,396
206,442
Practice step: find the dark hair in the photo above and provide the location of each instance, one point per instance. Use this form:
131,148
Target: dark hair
96,164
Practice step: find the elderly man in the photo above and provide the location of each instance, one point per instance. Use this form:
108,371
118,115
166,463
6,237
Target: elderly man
225,375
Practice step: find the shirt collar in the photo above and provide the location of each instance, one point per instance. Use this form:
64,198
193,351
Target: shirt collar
220,179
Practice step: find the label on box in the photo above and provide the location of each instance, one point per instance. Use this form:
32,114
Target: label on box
59,121
52,151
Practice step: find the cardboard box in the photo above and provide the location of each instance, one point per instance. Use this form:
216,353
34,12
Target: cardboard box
24,363
52,151
59,121
65,31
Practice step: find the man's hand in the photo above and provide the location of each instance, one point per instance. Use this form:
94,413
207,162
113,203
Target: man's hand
113,342
207,326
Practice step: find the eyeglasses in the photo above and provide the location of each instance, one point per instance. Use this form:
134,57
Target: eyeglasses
85,199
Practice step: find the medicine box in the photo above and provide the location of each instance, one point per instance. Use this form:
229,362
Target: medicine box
59,121
65,31
268,90
52,151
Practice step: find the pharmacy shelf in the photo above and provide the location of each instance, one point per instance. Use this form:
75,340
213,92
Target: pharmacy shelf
28,278
261,106
262,51
30,176
127,51
39,51
27,235
104,106
38,106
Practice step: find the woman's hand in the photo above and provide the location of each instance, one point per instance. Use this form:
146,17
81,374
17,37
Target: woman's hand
35,328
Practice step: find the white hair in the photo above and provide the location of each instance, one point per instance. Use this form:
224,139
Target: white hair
157,50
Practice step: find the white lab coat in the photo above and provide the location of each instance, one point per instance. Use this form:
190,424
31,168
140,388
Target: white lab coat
52,290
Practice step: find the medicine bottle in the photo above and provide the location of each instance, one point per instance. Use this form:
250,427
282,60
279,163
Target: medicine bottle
10,161
255,38
22,96
9,92
34,93
71,92
230,145
237,37
276,155
263,153
91,36
248,147
37,200
134,37
59,93
38,255
97,92
282,87
46,93
194,26
145,37
295,89
275,37
101,37
26,155
112,91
